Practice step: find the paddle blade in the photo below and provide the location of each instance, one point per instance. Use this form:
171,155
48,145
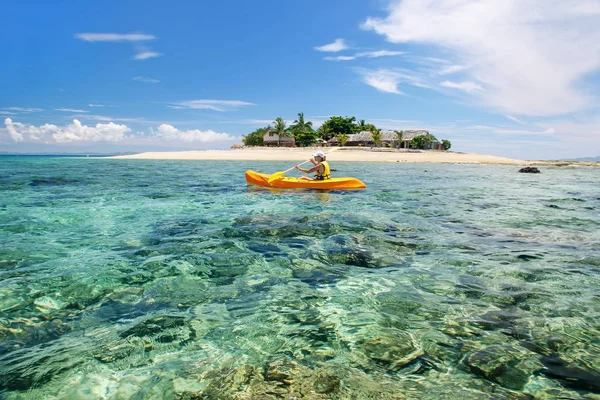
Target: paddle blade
275,176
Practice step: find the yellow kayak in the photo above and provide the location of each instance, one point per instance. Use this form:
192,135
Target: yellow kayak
258,178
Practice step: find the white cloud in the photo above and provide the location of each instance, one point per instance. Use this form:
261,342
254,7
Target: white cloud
146,55
70,110
170,133
23,109
75,132
215,105
145,80
388,80
451,69
549,131
340,58
379,53
384,81
530,55
337,45
368,54
95,105
7,113
518,121
468,87
113,37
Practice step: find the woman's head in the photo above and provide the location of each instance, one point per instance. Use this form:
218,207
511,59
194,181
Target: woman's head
320,155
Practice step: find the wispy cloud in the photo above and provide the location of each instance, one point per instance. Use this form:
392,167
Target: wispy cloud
468,87
379,53
501,131
340,58
215,105
451,69
95,105
114,37
70,110
170,133
23,109
389,80
105,118
337,45
145,80
142,52
368,54
383,80
518,121
530,59
146,55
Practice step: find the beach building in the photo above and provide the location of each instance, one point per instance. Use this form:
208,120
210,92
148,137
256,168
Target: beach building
388,139
273,139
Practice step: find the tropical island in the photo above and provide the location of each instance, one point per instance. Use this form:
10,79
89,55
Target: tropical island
351,139
340,131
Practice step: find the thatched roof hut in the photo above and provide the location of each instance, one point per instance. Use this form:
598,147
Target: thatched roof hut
365,138
273,139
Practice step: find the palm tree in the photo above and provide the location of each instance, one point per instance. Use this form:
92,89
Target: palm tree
325,132
280,129
399,135
342,139
303,131
362,125
376,133
300,124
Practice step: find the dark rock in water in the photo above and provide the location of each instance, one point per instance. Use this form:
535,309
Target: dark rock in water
51,182
153,326
498,319
314,277
392,348
570,375
326,383
528,257
503,365
530,170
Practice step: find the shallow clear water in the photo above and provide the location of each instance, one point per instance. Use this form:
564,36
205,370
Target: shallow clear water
129,279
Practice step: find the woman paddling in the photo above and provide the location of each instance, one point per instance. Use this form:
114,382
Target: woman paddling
321,168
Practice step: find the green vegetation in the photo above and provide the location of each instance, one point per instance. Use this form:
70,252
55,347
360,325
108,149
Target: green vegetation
337,126
303,131
341,126
399,136
255,138
342,139
420,142
376,134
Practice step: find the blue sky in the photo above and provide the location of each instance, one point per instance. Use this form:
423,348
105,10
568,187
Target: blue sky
517,78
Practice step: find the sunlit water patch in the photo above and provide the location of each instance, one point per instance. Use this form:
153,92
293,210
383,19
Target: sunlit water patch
160,279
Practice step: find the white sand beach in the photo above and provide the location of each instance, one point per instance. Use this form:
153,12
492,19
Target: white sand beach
333,154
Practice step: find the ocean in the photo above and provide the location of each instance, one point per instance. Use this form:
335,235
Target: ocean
131,279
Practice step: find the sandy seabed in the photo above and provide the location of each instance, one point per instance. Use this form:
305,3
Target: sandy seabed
340,154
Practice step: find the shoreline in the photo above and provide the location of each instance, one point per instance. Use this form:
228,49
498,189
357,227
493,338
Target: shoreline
352,154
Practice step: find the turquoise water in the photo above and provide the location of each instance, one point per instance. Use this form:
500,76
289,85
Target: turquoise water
130,279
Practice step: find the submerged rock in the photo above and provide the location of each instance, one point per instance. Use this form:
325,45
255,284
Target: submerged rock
502,364
154,326
530,170
571,375
392,348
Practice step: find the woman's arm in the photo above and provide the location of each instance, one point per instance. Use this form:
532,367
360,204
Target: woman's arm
308,171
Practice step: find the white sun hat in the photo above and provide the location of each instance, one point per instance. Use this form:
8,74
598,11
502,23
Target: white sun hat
319,154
